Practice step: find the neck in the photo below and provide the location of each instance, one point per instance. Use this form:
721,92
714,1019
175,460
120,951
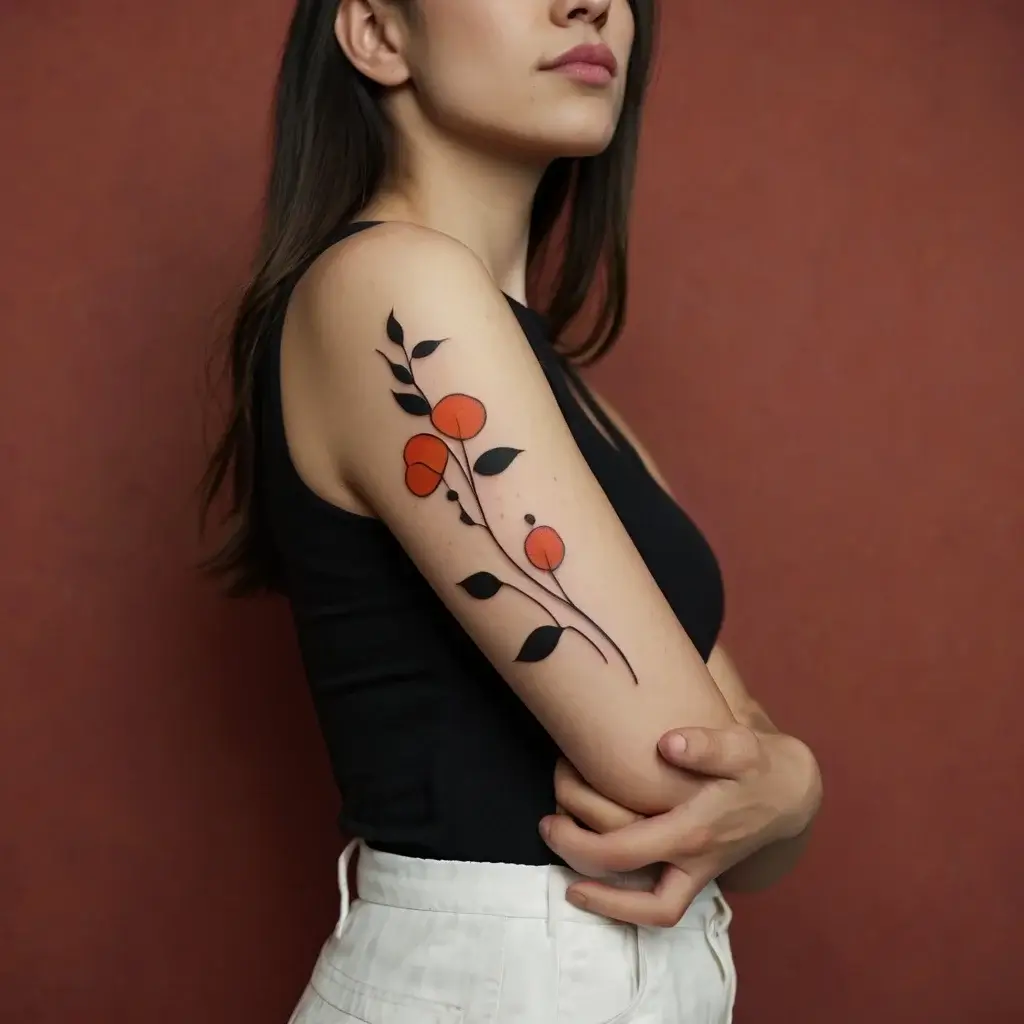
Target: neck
483,200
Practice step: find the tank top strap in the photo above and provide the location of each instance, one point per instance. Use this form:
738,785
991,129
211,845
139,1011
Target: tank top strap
343,231
582,398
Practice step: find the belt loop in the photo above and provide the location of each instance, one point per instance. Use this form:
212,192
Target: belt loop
343,886
724,911
556,894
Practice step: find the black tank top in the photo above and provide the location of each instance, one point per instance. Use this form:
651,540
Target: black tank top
433,753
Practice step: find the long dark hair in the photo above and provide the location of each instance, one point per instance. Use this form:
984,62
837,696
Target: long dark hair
332,147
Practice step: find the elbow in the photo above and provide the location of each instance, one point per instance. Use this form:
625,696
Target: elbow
619,756
660,792
644,783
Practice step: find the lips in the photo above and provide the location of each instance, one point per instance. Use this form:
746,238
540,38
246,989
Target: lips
596,56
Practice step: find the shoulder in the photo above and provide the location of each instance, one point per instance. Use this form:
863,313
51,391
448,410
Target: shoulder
385,299
388,263
398,282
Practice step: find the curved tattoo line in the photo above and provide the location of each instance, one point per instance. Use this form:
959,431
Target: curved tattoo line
547,611
618,650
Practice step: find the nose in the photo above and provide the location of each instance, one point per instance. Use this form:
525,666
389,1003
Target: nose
593,12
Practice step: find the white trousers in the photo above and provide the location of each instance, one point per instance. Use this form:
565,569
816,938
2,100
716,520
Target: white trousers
441,942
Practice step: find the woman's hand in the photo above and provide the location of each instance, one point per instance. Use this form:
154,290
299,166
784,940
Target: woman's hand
760,793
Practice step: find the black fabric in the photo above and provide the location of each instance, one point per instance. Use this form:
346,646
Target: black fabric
432,752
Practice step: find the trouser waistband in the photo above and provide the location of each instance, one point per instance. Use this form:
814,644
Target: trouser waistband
503,890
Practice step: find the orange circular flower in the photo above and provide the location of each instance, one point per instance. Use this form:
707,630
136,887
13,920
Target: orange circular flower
544,548
428,449
426,457
459,416
421,480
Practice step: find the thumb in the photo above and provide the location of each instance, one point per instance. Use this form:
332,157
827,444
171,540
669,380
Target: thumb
724,753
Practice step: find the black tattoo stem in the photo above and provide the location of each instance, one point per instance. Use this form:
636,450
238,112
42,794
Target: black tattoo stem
618,650
551,615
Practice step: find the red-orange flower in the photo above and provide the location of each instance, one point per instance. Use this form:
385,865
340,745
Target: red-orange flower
459,416
426,457
544,548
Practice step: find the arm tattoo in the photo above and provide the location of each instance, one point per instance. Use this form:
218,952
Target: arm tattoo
430,456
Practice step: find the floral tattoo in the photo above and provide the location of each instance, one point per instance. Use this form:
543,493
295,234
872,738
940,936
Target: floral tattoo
430,456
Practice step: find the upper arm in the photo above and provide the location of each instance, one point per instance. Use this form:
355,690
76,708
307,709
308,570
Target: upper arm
445,425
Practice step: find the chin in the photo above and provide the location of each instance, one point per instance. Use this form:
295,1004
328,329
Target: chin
569,135
581,139
585,147
584,141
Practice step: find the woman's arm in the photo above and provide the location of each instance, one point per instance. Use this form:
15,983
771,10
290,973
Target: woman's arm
796,768
798,775
408,359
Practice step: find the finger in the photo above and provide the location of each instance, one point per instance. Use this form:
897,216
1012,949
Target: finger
724,753
571,836
647,841
585,804
663,907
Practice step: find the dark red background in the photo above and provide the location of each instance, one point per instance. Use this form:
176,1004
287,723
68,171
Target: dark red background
824,352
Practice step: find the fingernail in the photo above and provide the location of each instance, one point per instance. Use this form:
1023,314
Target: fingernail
676,745
545,829
577,899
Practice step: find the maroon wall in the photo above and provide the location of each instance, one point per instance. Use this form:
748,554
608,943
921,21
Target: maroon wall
824,352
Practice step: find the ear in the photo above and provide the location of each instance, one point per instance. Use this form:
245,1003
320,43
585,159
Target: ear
372,35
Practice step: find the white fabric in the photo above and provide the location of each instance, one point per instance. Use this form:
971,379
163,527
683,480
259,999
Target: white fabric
440,942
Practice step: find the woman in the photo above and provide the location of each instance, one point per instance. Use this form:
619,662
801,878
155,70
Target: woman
484,572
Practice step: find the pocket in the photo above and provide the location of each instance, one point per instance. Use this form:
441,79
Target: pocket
601,973
698,983
366,1004
639,971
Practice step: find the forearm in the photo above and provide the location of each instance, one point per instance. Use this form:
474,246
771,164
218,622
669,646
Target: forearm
766,866
795,764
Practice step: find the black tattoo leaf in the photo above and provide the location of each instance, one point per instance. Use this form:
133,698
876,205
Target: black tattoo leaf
540,643
401,373
415,404
395,331
424,348
481,585
466,518
495,461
